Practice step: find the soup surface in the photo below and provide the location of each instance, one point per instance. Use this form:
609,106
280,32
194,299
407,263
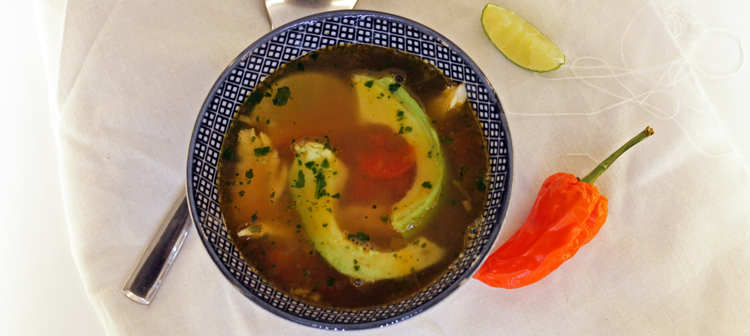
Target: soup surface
351,176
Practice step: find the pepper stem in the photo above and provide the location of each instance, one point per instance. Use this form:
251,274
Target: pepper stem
594,174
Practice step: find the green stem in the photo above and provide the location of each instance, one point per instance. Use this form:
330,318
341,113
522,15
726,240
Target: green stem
594,174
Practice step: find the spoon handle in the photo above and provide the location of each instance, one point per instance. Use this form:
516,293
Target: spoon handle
154,264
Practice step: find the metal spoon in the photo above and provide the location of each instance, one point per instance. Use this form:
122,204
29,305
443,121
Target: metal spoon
161,252
285,11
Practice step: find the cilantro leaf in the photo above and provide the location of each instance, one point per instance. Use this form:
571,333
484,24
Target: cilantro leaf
320,184
228,154
300,183
480,184
282,95
361,236
262,151
394,87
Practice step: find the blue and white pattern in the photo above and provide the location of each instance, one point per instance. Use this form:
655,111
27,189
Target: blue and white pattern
288,43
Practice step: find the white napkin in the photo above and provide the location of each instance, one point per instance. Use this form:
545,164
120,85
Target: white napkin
128,78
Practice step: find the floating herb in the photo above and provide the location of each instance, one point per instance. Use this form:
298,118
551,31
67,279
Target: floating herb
320,184
300,183
282,95
361,236
228,154
394,87
262,151
480,184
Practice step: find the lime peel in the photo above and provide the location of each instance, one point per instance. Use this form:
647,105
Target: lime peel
519,41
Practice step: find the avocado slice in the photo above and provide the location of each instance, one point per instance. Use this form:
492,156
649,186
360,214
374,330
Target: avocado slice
314,182
384,101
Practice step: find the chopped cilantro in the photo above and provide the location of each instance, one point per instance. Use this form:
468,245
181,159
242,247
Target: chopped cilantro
228,154
447,140
325,164
330,281
429,155
267,94
254,217
463,170
309,164
273,194
394,87
400,116
337,195
384,219
424,245
300,183
249,174
242,193
480,184
325,225
427,185
320,184
374,206
255,98
454,203
356,267
361,236
407,129
282,95
314,56
401,130
300,67
306,273
369,83
262,151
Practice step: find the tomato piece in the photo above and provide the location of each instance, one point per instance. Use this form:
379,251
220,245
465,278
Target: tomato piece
380,163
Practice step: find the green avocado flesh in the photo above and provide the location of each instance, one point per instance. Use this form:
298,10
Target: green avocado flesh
384,101
313,181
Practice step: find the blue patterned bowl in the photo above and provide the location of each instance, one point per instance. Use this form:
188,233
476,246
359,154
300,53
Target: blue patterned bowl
286,44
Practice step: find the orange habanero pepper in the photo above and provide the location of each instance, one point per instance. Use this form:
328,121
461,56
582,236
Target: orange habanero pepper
567,214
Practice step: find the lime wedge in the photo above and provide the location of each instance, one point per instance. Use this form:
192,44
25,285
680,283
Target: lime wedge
519,41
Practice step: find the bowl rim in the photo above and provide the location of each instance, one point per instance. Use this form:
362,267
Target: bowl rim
500,218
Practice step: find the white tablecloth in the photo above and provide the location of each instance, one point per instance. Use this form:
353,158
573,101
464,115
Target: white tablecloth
128,78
